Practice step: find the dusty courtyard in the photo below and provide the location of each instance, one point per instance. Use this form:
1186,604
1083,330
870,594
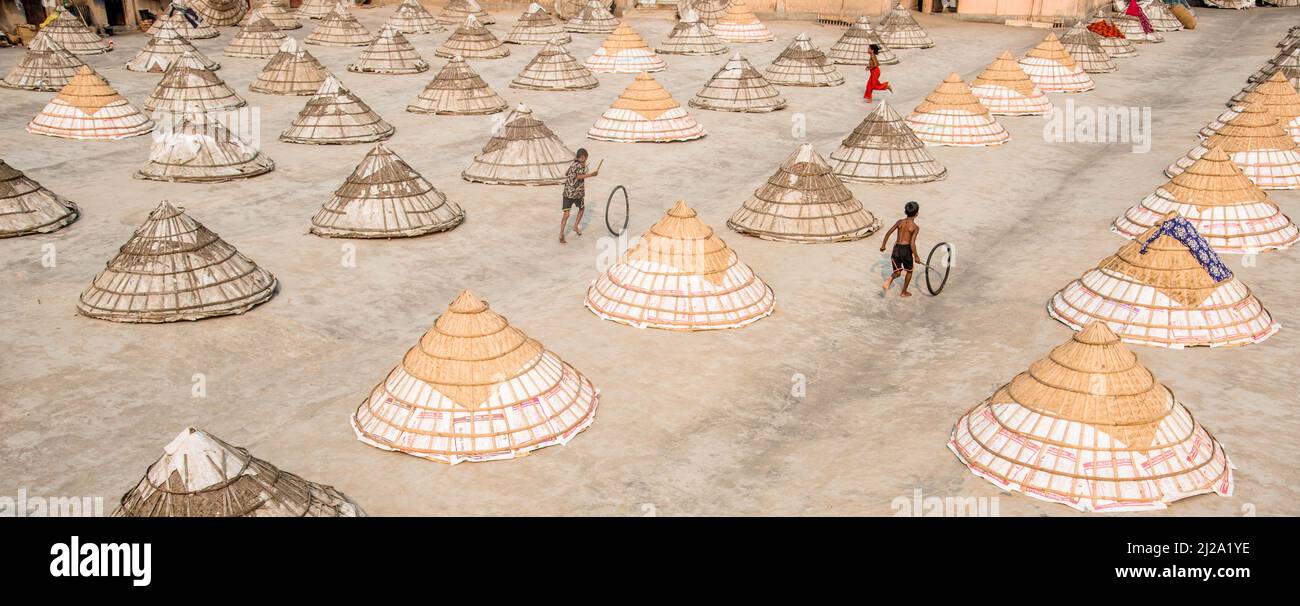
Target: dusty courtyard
689,423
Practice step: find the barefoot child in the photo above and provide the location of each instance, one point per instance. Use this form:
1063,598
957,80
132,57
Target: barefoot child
904,253
575,190
873,68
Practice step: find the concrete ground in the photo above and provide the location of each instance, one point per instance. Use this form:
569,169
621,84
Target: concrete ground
689,423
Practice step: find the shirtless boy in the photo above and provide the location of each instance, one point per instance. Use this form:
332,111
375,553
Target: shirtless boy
904,248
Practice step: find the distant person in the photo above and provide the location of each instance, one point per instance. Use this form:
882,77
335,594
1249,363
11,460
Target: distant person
904,254
873,67
575,190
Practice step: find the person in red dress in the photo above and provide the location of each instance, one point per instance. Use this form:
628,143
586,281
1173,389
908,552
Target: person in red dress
874,83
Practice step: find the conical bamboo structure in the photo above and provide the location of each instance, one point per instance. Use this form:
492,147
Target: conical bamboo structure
740,25
804,201
691,37
522,152
68,30
412,18
568,9
188,86
884,150
536,26
1287,63
1111,38
336,116
951,115
201,476
709,11
645,112
1132,29
175,20
802,64
1006,90
87,108
1053,70
339,28
455,11
458,90
385,198
1167,288
738,87
1160,16
292,71
680,276
1258,143
162,50
260,39
472,41
1085,48
1090,428
46,66
26,207
315,9
390,53
853,48
594,18
172,269
624,52
220,13
900,30
555,69
476,389
199,149
1278,96
1233,214
276,13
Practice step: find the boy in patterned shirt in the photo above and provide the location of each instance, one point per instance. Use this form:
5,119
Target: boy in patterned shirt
575,190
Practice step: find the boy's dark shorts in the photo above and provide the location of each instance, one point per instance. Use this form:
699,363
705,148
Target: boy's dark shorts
902,256
575,202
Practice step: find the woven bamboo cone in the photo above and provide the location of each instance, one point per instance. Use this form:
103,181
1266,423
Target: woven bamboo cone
1257,143
1111,38
709,11
73,35
162,50
292,71
455,11
199,149
853,48
189,87
884,150
173,269
739,24
553,68
390,53
412,18
260,39
1053,70
900,30
1086,50
738,87
87,108
804,201
473,365
175,20
593,18
339,28
274,12
201,476
624,52
458,90
335,116
1233,214
1161,18
1165,297
680,276
691,37
1286,63
315,9
1090,428
951,115
385,198
472,41
646,113
802,64
1132,29
1278,96
46,66
536,26
27,207
220,13
1006,89
523,152
568,9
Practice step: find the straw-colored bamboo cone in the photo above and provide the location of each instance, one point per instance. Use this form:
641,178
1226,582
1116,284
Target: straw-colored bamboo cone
1287,63
199,149
709,11
1257,143
536,26
1163,298
199,475
803,201
1089,427
72,34
1233,214
458,90
176,21
335,116
691,37
162,50
385,198
220,13
292,71
390,53
624,52
951,115
594,18
1086,50
738,87
260,39
1161,18
88,109
470,366
1053,70
1278,96
646,113
46,66
854,46
1132,29
900,30
275,12
522,152
472,41
553,68
739,25
339,28
173,269
315,9
455,11
802,64
27,207
189,87
884,150
680,276
1006,90
411,18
